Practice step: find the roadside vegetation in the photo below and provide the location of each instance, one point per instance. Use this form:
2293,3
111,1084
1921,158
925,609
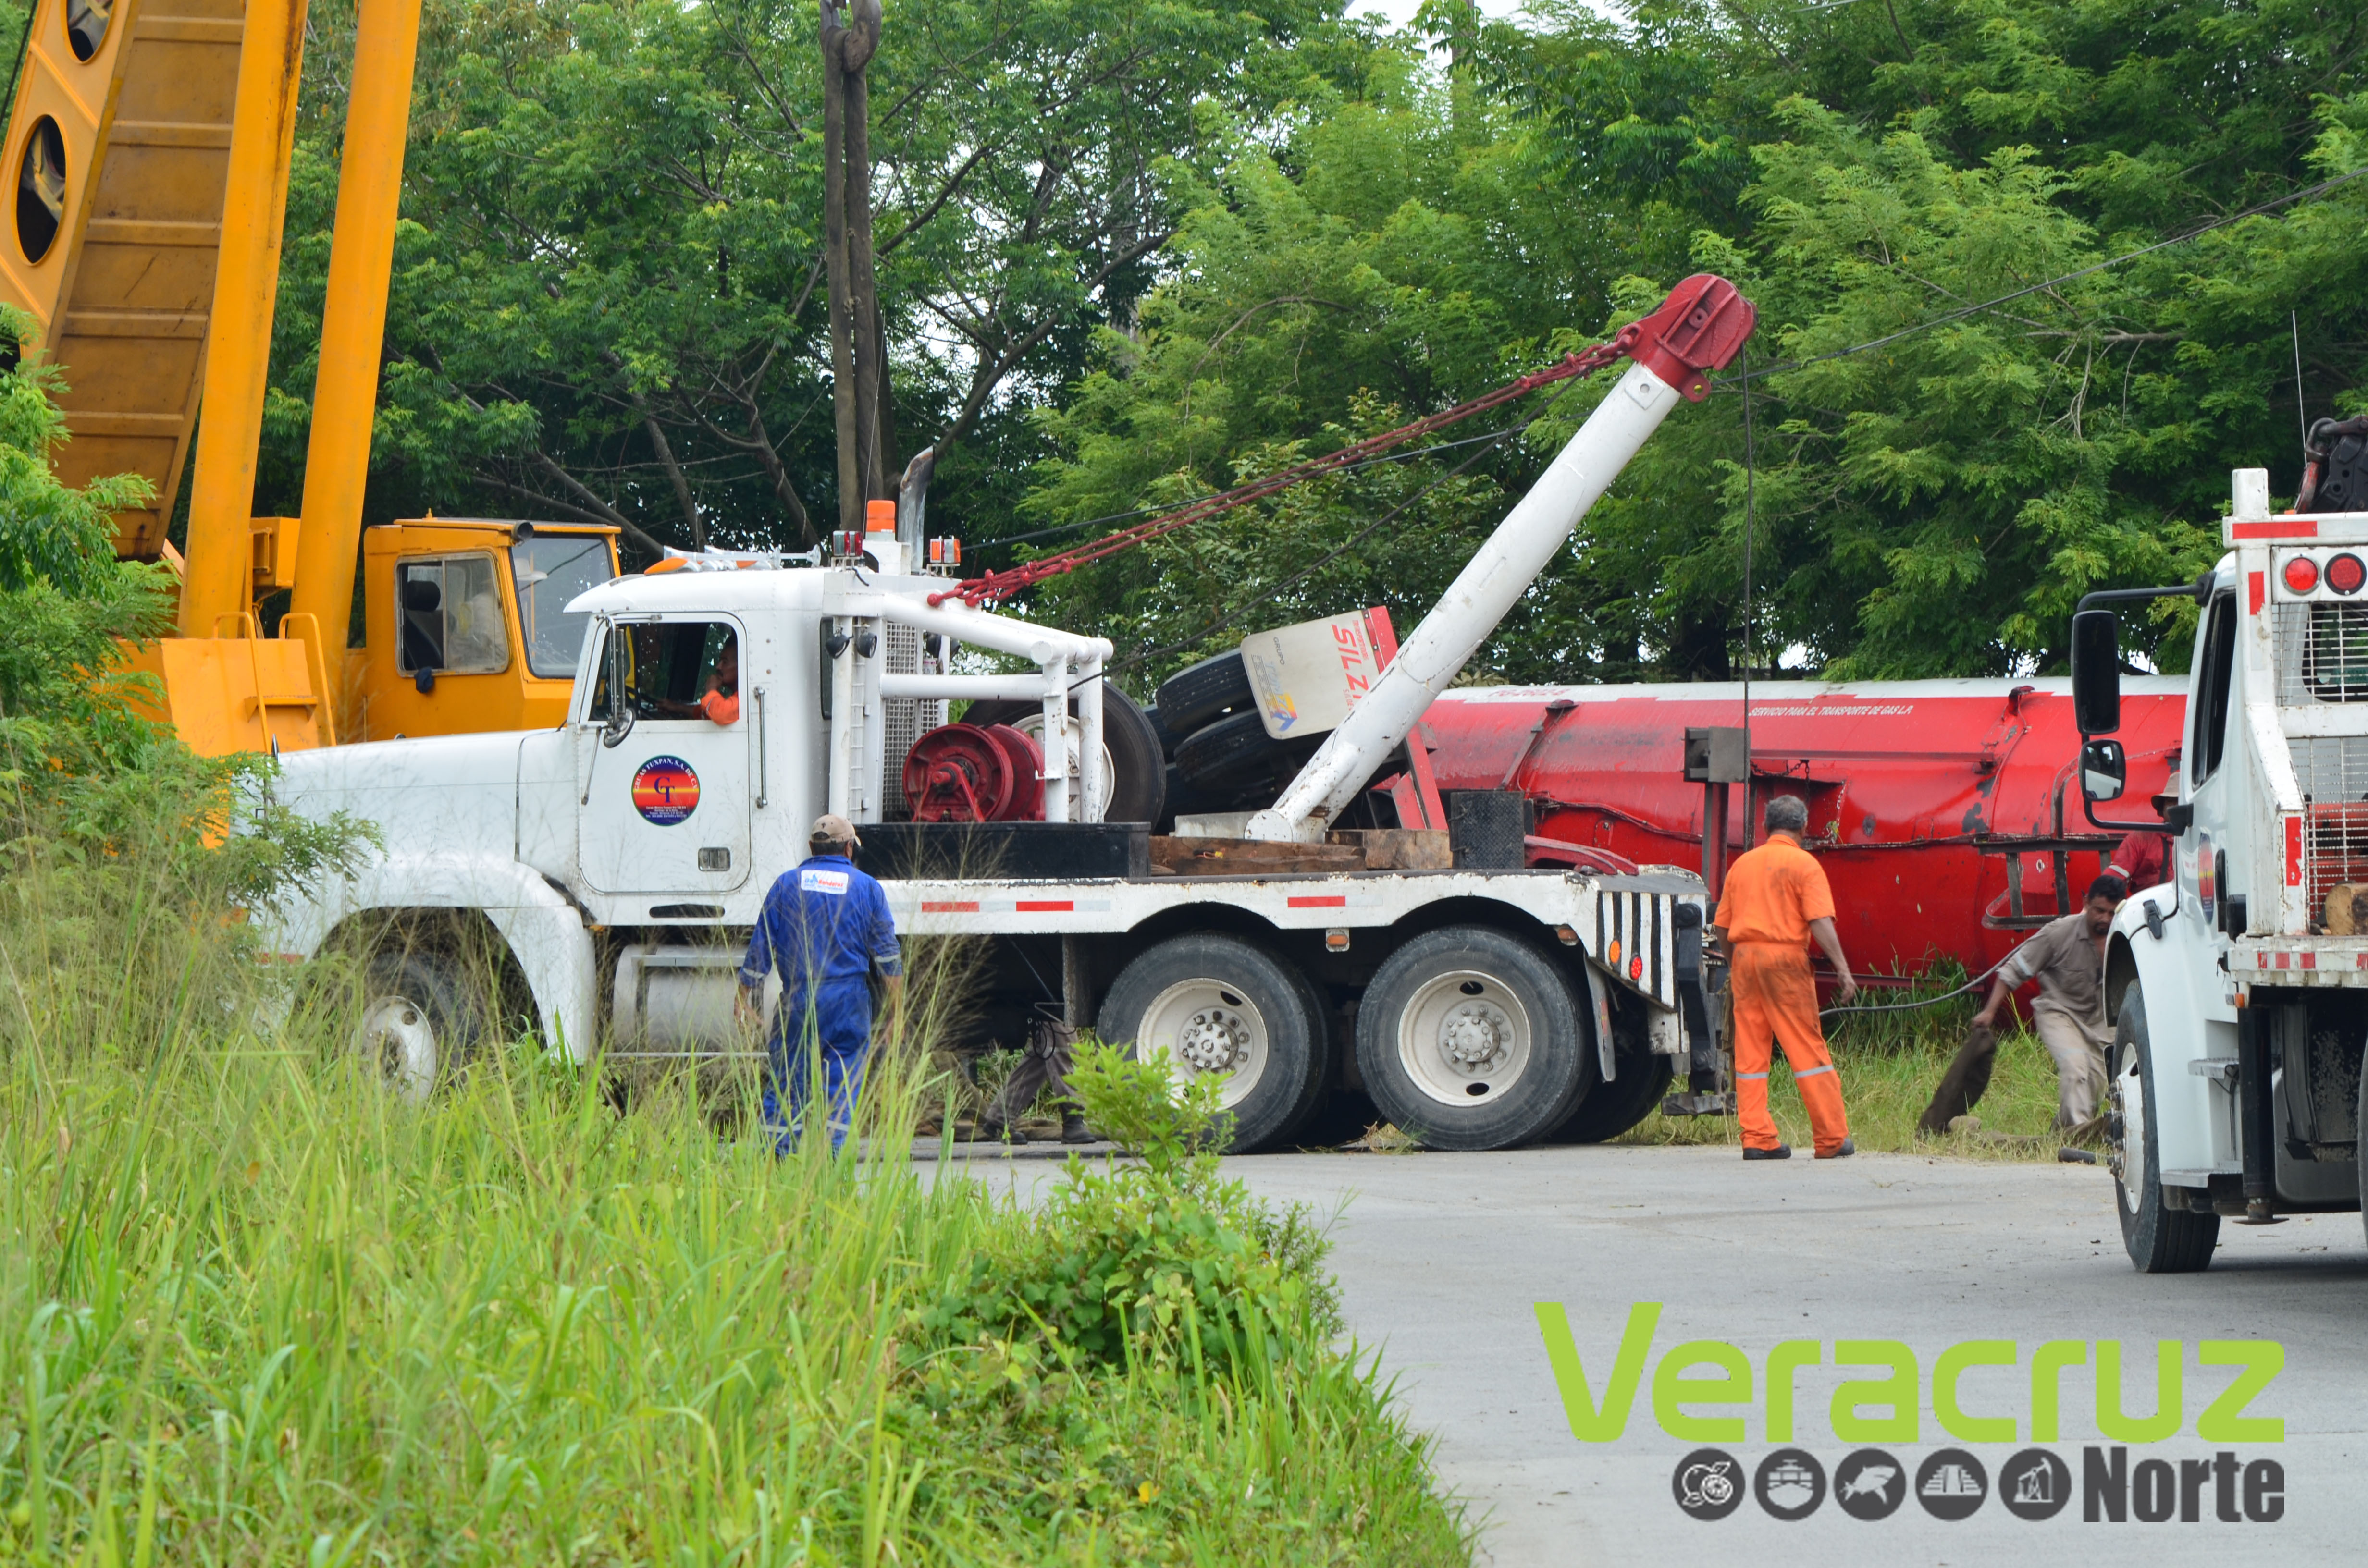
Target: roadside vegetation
258,1307
254,1309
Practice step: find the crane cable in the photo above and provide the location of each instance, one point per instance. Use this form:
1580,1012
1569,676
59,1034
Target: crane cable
997,585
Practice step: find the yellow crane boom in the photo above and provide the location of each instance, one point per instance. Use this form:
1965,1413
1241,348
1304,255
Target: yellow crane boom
151,141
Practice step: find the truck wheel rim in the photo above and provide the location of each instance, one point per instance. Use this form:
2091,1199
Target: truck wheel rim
395,1034
2127,1154
1207,1026
1032,726
1464,1038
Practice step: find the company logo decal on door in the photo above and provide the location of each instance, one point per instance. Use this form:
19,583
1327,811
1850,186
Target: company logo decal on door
665,791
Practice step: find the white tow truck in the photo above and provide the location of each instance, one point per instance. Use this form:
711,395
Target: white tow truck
2239,990
614,865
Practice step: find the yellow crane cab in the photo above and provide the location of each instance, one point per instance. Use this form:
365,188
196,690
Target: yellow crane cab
465,627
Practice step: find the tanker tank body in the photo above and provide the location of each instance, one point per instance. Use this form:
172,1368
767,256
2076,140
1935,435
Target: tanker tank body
1945,811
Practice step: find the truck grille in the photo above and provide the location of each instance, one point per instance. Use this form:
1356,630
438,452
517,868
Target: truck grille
2332,772
2322,653
902,720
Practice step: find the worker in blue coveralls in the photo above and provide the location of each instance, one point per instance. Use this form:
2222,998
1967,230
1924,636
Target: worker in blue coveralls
824,926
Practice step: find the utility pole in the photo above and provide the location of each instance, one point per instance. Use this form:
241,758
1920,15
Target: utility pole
859,358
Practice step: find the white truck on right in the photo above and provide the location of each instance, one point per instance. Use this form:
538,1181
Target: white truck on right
2239,990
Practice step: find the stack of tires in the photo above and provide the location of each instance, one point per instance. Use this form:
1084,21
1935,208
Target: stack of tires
1220,757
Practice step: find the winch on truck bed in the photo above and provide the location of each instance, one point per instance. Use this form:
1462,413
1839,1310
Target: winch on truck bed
2239,989
615,864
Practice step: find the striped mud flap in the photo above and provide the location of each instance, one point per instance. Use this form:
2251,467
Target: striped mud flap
1653,942
1693,998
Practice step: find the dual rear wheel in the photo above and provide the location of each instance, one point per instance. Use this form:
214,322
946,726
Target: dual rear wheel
1467,1036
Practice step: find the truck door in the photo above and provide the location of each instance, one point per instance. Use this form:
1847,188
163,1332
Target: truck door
666,808
2215,770
2198,1134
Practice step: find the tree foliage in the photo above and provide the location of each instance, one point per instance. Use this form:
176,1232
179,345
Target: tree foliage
608,298
1130,255
1931,505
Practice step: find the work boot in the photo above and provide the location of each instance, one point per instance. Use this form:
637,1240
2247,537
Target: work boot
999,1132
1842,1150
1781,1151
1074,1129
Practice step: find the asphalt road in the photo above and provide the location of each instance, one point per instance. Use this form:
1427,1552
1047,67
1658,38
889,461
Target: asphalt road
1441,1257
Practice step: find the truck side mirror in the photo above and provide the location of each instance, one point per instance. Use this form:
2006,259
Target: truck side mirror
2097,674
422,596
619,722
2104,770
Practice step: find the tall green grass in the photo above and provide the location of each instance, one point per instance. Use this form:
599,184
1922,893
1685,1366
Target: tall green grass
256,1309
1890,1063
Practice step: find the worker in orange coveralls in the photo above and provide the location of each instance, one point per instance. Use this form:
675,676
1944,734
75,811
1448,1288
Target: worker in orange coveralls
1775,901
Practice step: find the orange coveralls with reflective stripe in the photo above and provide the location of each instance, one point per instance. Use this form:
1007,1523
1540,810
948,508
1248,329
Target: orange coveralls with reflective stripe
1772,895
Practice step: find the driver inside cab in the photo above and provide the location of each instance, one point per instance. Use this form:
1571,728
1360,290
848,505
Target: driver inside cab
719,701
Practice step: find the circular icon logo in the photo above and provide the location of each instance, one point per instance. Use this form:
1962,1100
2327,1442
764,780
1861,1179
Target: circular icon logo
665,791
1870,1485
1708,1484
2034,1484
1789,1483
1950,1483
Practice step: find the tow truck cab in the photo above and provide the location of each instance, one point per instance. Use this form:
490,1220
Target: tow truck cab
2239,990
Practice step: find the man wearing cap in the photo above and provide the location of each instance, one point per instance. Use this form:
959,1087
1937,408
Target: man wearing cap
824,928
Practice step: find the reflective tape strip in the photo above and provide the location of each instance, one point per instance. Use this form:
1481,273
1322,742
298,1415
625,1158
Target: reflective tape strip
1813,1072
1321,901
1751,1075
1014,906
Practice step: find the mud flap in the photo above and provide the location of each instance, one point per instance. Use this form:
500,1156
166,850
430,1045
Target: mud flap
1703,1097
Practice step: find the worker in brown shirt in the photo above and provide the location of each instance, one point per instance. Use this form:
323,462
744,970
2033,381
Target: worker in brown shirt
2067,956
1775,901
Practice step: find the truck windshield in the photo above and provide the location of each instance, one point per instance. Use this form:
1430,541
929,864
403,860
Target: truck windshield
551,569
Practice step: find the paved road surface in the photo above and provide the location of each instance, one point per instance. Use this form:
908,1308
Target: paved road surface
1441,1256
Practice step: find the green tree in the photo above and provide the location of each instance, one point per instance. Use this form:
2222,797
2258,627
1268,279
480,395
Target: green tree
607,301
1933,506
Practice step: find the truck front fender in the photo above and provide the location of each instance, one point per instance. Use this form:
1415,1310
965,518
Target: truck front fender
544,928
2120,968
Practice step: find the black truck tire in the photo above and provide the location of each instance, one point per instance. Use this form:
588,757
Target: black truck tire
1470,1037
1138,765
2360,1150
1611,1108
1197,693
1203,997
1236,754
421,1019
2159,1238
1166,737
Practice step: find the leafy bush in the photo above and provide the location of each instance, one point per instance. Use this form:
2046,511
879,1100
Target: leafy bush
124,857
1166,1262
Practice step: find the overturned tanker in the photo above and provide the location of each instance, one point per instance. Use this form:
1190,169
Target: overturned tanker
1946,812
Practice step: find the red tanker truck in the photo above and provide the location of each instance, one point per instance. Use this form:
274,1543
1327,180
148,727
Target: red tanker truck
1946,812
